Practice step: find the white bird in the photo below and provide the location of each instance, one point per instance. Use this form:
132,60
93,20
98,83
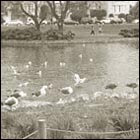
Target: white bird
80,55
11,102
26,66
41,92
13,67
45,64
66,90
78,80
84,45
62,64
115,95
84,97
61,101
30,63
91,60
15,72
23,84
39,73
97,94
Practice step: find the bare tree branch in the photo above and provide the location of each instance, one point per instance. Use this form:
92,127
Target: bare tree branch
24,11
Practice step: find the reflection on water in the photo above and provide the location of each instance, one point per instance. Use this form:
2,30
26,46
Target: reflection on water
112,62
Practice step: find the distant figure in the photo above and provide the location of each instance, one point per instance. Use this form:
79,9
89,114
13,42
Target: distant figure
100,29
92,31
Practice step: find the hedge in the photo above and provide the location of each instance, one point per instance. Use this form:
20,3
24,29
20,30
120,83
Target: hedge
33,34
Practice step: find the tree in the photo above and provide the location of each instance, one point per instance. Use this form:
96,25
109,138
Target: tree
134,11
37,17
98,13
78,10
59,11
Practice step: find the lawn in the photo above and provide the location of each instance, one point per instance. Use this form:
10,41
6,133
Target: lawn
82,32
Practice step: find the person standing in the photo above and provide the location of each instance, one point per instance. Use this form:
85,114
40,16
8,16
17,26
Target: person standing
92,31
100,29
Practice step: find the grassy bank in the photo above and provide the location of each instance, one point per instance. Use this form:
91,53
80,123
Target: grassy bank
82,32
113,115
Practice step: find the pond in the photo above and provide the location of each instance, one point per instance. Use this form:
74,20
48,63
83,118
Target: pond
101,64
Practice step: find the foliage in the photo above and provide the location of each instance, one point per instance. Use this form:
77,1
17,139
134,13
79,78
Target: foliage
134,11
43,12
61,15
98,13
54,34
111,15
129,33
122,15
36,17
61,123
78,15
24,34
129,18
78,11
123,122
17,126
33,34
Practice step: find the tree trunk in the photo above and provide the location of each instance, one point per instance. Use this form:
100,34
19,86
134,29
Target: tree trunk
60,26
37,26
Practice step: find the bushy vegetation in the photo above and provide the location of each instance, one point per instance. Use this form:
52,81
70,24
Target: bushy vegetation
98,13
122,15
116,116
33,34
16,125
21,34
129,33
54,34
129,18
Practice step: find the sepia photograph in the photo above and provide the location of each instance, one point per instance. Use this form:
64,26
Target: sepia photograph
69,69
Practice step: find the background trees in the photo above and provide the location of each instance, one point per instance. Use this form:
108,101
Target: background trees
59,10
134,11
98,13
37,17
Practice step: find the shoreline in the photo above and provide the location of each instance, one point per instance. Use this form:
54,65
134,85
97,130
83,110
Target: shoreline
35,43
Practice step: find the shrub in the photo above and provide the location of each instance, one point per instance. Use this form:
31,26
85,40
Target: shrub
123,122
122,15
17,125
62,123
24,34
111,15
129,18
54,34
129,33
98,13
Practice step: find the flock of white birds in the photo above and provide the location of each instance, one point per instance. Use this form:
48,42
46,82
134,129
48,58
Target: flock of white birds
14,96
